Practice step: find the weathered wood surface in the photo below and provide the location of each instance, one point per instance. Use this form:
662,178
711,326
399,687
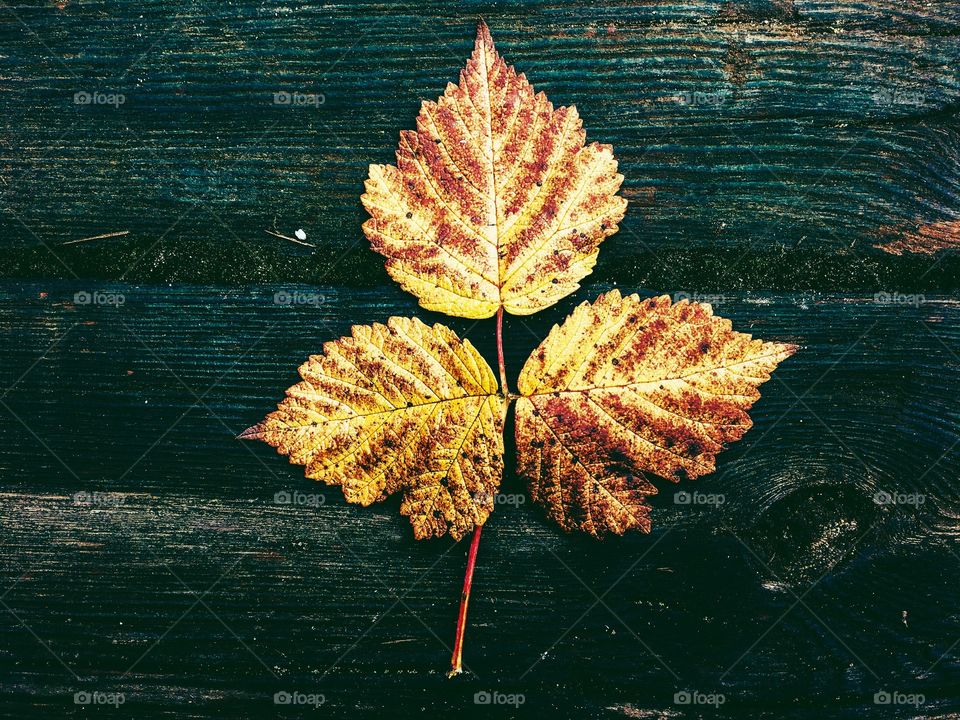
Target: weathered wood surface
765,144
196,595
777,139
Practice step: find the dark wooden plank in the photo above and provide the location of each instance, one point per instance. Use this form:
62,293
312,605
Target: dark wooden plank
104,399
818,127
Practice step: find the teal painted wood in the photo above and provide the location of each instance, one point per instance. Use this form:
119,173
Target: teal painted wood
783,138
766,144
141,402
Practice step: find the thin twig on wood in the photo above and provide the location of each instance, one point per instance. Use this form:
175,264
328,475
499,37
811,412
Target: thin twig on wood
287,237
98,237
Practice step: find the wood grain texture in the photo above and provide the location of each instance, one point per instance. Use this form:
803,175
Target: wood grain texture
760,127
765,144
142,400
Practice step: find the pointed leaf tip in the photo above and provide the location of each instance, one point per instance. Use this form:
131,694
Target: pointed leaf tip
251,433
483,33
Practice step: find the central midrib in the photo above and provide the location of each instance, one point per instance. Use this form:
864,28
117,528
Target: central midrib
493,228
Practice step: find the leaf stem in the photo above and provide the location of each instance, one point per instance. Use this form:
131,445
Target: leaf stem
503,368
456,662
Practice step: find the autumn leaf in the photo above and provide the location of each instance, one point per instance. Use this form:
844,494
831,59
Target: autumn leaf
497,204
495,201
398,407
627,389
